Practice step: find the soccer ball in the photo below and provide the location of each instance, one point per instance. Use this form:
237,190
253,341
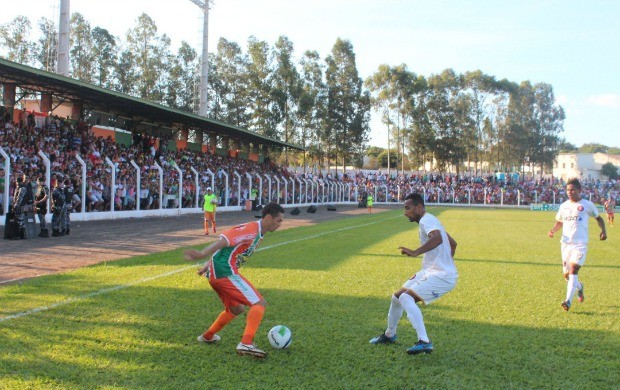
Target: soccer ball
279,337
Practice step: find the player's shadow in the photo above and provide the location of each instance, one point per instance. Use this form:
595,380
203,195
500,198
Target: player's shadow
145,336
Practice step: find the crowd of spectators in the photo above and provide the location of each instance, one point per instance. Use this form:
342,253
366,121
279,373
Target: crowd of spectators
62,140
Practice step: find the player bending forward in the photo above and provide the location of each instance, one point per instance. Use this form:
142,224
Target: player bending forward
236,292
437,276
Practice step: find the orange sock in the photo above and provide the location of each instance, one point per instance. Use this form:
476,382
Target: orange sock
224,318
213,226
255,316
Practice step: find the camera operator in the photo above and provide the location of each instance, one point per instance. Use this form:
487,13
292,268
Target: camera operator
58,209
41,196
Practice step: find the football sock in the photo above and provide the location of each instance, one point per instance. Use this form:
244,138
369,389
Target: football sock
394,314
414,314
213,226
572,286
224,318
255,316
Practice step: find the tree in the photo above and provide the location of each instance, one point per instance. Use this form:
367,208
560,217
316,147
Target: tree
14,37
448,114
609,170
181,91
593,148
150,54
548,123
125,74
260,99
287,89
81,49
312,105
567,147
481,90
46,48
230,84
104,53
348,105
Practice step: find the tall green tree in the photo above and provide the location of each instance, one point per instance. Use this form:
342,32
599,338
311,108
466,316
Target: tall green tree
348,103
126,76
382,100
104,52
447,112
150,53
481,89
183,79
46,48
230,84
260,101
81,49
14,39
287,87
548,124
312,105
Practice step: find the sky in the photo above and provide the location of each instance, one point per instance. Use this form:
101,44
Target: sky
574,45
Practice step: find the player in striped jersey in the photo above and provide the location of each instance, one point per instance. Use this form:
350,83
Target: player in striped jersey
226,255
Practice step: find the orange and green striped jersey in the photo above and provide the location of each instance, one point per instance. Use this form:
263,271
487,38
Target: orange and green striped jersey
242,241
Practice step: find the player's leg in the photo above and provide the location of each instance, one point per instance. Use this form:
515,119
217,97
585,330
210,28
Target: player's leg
206,223
424,288
232,308
574,258
394,314
213,221
249,296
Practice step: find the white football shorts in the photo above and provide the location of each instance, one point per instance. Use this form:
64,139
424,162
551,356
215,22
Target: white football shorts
430,286
573,253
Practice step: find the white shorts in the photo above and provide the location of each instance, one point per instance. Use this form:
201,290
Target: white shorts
573,253
430,286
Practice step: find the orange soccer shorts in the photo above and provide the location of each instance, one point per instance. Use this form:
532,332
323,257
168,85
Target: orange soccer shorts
235,290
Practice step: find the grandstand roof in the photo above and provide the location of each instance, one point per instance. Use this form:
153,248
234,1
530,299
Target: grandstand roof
108,101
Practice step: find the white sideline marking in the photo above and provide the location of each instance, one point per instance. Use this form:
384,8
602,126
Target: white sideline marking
169,273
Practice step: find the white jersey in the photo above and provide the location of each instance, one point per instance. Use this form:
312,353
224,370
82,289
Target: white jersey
574,218
439,259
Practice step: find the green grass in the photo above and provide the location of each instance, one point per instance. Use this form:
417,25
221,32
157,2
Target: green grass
502,327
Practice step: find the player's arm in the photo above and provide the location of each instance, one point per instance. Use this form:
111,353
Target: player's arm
434,240
205,252
558,225
601,224
452,244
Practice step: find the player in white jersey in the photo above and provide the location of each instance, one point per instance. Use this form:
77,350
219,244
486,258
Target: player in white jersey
572,218
437,276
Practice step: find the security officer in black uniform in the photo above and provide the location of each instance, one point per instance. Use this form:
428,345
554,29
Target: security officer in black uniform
58,208
66,223
19,205
41,196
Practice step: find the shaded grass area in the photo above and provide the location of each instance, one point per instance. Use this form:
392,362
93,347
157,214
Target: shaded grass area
330,283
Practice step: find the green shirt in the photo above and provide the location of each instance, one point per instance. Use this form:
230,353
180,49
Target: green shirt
209,204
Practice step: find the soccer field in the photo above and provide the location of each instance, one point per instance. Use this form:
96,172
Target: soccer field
133,323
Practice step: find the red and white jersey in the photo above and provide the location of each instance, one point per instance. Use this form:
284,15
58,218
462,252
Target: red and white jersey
575,219
609,207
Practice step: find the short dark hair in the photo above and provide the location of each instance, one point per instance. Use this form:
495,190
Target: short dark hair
272,209
40,178
415,198
575,182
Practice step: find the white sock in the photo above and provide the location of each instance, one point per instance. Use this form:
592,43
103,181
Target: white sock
571,286
394,314
414,314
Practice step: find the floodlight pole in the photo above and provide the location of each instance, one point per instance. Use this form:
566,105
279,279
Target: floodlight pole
204,69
